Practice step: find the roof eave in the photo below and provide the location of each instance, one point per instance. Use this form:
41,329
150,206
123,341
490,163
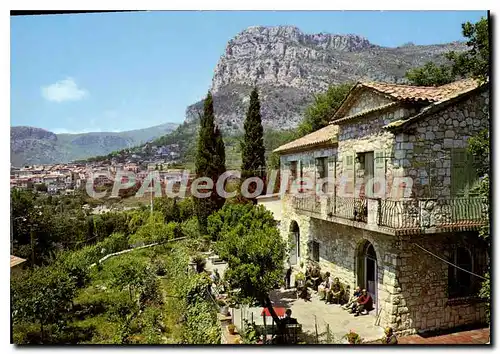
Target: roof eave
401,125
308,147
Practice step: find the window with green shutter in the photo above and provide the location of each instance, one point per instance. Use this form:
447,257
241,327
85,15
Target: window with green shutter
348,171
463,174
349,161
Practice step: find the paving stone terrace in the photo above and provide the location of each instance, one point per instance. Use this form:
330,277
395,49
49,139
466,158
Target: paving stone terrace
314,315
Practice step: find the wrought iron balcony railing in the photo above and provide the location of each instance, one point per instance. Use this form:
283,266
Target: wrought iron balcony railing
402,214
309,203
427,213
349,208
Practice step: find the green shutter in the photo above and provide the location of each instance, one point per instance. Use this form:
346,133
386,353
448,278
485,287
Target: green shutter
458,172
463,174
348,170
348,161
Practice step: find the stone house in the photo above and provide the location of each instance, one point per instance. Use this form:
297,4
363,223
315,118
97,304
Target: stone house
398,203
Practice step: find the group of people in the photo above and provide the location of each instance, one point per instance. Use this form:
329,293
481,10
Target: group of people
360,302
331,291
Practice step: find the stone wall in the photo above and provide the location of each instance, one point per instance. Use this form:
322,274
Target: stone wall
307,159
412,292
339,247
421,301
425,153
272,203
367,100
304,222
366,135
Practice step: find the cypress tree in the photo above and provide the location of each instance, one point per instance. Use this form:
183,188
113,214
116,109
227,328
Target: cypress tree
210,162
252,146
219,163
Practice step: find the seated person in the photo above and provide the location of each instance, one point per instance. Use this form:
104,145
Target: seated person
353,299
315,276
324,287
336,292
364,304
288,319
291,333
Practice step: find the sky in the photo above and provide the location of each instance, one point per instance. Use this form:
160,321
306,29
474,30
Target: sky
122,71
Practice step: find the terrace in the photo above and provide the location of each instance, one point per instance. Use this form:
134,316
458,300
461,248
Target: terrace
402,216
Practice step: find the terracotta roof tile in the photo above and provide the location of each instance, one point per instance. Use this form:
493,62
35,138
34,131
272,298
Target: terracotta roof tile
422,93
15,261
435,106
320,136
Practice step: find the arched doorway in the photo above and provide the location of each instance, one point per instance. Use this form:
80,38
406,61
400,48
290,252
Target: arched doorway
367,269
294,240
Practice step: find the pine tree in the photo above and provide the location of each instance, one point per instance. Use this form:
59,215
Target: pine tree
210,162
252,146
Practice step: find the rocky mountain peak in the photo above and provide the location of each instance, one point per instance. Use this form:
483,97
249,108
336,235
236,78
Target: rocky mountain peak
289,66
279,55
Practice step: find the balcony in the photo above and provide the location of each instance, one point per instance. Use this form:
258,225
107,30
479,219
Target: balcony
307,203
442,214
397,216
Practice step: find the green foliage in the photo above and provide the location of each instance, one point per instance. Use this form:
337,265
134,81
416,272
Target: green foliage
252,145
485,293
128,274
190,228
274,139
471,63
252,247
250,334
186,209
430,75
149,290
476,61
210,161
201,325
479,147
169,207
319,114
42,296
152,325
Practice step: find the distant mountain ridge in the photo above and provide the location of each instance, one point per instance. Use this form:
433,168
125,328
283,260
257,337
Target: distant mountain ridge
30,145
289,67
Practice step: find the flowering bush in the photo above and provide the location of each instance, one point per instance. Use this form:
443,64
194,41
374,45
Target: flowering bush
352,337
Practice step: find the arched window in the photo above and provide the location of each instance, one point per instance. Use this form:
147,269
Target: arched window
460,283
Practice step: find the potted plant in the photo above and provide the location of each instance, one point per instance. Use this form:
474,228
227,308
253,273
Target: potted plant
231,328
200,262
352,337
224,309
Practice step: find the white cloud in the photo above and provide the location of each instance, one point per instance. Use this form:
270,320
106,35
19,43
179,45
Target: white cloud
64,90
